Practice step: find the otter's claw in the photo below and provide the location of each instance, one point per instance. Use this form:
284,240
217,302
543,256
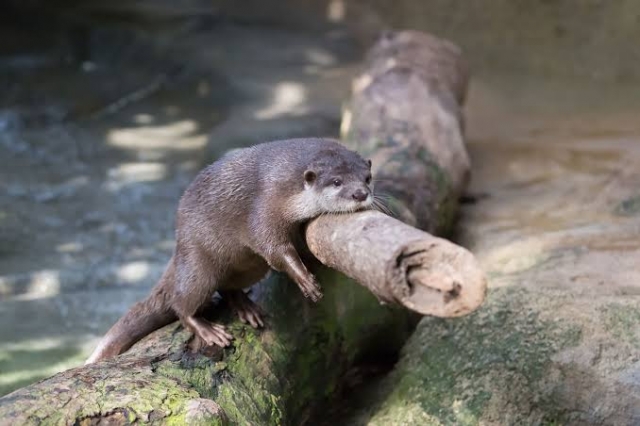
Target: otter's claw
311,290
210,333
247,310
216,334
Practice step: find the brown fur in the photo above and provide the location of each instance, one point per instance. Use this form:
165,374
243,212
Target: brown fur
239,217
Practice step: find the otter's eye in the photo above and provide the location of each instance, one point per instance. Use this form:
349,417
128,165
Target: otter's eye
368,179
337,182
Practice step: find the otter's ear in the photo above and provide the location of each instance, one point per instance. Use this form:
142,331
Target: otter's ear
369,163
309,176
386,35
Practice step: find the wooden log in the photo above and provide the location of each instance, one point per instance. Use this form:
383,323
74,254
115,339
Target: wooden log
399,263
411,128
406,115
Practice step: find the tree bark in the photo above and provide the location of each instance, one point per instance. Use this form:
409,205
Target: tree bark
410,125
399,263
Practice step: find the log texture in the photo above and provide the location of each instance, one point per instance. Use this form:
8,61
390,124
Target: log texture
407,118
399,263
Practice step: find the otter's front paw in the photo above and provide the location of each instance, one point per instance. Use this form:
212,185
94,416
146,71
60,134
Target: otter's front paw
311,289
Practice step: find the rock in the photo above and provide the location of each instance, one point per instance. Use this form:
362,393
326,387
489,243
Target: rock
201,411
558,338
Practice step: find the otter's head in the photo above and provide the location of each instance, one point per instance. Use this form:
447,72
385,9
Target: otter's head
338,182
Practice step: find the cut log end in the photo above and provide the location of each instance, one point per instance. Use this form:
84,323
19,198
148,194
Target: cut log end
445,289
441,279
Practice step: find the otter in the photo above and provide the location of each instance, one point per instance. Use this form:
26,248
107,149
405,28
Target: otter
240,217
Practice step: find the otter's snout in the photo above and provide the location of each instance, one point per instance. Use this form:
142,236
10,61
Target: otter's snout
360,195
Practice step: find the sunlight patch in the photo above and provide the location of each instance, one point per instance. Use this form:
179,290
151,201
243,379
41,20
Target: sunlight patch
176,136
133,271
44,283
288,98
137,172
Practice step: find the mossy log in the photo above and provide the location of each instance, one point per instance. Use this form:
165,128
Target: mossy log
283,374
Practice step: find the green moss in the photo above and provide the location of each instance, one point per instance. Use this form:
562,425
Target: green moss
629,207
446,206
623,321
349,312
447,209
197,371
158,394
452,368
247,390
552,422
131,416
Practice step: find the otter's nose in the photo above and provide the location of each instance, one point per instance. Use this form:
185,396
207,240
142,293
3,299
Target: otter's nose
359,195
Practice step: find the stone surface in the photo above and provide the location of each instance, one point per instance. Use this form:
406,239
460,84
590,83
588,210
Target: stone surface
555,175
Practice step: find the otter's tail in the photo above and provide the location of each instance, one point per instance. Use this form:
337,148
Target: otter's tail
142,319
